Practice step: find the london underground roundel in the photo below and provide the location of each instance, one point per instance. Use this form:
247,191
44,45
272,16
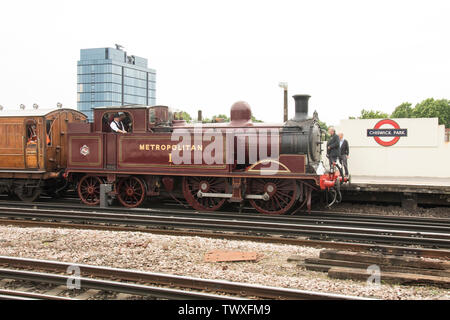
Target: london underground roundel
387,132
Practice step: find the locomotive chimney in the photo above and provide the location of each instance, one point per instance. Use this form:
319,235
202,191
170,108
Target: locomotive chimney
301,107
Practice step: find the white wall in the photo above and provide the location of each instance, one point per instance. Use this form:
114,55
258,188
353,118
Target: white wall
422,153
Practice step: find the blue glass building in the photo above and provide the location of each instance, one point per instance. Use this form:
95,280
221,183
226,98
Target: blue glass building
110,77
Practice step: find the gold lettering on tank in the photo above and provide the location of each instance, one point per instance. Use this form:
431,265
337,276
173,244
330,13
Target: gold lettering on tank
168,147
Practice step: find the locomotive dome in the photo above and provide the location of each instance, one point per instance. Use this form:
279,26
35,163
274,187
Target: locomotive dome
241,113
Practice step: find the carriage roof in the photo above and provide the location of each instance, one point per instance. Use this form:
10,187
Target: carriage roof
33,112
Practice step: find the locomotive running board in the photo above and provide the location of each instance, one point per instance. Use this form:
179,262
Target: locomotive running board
264,197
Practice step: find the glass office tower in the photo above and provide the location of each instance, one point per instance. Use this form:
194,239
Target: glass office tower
110,77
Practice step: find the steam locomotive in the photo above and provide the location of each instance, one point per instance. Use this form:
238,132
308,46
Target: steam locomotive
275,167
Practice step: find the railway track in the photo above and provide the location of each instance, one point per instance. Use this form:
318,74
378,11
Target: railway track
316,216
315,230
140,283
172,207
322,217
431,233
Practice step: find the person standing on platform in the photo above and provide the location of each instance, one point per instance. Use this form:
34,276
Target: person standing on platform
344,152
333,150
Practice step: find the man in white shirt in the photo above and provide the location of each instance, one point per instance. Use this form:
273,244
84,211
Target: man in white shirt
117,125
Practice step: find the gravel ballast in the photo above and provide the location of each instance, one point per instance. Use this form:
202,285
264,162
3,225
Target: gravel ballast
184,256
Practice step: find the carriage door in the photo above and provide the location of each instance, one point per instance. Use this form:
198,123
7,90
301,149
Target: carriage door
31,144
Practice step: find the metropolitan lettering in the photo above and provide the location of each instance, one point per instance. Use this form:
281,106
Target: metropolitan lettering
168,147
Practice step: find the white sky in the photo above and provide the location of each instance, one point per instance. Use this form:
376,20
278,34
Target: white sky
347,55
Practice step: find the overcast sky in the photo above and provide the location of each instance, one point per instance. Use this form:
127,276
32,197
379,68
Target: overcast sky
347,55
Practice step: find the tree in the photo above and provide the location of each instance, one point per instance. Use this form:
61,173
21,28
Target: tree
324,127
256,120
371,114
403,111
186,116
430,108
222,116
225,118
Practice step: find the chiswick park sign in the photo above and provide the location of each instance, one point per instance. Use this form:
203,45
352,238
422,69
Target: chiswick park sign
387,132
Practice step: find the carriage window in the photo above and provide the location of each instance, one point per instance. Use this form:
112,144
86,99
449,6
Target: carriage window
125,120
49,127
31,133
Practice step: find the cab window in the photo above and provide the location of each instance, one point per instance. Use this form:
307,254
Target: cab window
124,117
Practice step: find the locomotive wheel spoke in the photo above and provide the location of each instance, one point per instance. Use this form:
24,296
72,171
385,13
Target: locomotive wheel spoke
191,186
89,190
282,195
279,198
130,192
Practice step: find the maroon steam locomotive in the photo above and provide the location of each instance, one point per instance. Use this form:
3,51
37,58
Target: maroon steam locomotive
275,167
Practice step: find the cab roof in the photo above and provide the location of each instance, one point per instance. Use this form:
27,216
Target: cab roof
131,106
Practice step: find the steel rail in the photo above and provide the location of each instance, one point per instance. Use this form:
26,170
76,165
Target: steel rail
22,295
228,287
13,297
314,216
315,226
107,285
316,223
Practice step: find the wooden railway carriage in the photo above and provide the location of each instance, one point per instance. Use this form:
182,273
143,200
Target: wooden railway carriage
33,150
142,162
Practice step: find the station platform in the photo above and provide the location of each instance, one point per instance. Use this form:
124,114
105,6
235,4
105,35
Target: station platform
409,191
399,184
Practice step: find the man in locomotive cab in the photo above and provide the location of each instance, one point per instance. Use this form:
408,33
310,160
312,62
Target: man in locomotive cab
117,125
126,121
333,149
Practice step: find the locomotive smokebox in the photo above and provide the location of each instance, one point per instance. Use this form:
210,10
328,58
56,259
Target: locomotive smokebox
301,107
302,135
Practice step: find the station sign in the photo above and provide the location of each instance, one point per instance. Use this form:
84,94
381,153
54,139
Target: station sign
387,128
